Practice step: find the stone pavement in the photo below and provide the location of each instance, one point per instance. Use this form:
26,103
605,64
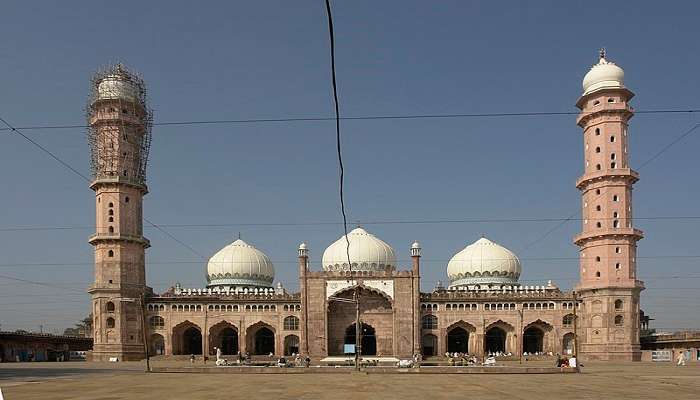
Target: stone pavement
100,381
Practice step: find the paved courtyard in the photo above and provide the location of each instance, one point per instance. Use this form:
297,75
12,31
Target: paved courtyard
102,381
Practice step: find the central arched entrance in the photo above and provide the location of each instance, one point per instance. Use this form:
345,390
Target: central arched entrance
458,340
377,318
495,340
533,340
368,339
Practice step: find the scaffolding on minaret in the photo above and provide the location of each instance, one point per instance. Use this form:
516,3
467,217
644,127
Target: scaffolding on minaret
119,125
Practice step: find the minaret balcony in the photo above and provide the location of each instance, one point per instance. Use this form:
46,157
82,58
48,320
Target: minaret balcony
119,180
605,107
608,233
100,237
624,173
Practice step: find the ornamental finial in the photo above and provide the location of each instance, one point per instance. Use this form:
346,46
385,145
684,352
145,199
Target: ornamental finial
602,53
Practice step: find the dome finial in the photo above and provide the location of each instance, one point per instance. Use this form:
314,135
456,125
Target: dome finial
239,235
602,53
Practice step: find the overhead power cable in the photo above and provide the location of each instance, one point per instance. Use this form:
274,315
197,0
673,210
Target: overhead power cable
377,222
360,118
88,180
641,166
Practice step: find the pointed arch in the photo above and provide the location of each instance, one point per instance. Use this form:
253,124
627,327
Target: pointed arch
187,338
260,338
458,335
223,335
496,335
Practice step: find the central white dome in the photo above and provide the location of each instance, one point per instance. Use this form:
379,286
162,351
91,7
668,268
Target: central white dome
483,262
240,265
367,253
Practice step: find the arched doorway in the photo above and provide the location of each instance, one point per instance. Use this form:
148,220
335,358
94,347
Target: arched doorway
192,341
495,340
264,341
430,345
223,335
568,344
228,341
157,345
458,340
376,311
368,339
533,339
291,345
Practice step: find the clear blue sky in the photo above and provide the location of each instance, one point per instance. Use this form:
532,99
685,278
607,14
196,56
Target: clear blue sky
269,59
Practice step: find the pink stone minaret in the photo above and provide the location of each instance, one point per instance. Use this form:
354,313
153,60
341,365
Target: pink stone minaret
119,135
608,285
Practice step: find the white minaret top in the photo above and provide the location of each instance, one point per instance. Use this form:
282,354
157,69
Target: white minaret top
603,75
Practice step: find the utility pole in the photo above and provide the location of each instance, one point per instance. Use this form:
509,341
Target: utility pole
142,306
575,329
522,339
358,329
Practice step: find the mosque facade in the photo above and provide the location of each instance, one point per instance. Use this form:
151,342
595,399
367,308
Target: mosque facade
483,310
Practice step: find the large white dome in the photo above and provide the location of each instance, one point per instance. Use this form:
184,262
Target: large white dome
367,253
483,262
240,264
603,75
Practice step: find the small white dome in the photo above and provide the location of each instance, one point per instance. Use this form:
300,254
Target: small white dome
240,264
603,75
483,262
303,246
367,253
116,87
415,245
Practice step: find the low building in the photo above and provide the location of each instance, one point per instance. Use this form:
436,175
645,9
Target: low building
25,346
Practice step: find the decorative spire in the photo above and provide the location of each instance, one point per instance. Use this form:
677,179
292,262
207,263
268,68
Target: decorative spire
602,53
239,235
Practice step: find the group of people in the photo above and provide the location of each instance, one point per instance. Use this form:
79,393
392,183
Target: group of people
563,362
297,361
461,359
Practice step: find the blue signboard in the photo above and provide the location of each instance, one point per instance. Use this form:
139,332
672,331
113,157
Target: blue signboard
349,349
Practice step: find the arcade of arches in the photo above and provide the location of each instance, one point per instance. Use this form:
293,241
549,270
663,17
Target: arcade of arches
260,338
462,337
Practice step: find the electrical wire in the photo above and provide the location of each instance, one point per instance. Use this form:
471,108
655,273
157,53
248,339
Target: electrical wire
84,177
331,39
360,118
377,222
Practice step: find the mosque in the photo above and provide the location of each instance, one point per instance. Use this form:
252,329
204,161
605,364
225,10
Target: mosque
483,310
